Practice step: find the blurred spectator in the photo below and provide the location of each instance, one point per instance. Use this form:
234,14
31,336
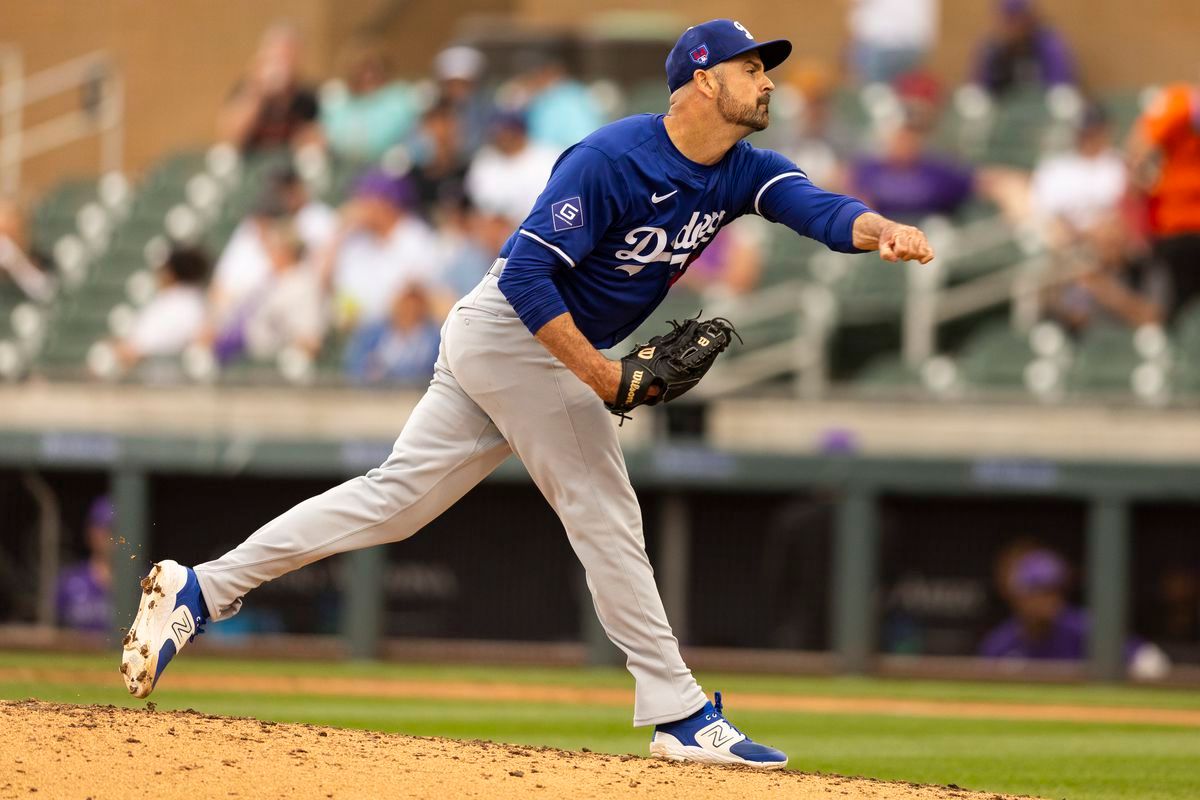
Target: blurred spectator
1076,200
83,594
379,249
175,316
1177,617
373,112
399,349
1168,134
271,106
507,175
731,264
559,110
458,70
462,246
907,181
439,165
1081,189
287,311
245,265
822,141
1022,51
890,37
1045,626
920,94
15,261
1103,290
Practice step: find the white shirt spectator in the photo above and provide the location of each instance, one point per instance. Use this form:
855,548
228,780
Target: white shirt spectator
509,184
169,322
895,24
371,270
244,266
1079,189
292,312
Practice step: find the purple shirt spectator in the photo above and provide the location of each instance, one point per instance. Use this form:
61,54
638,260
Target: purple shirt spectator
82,595
909,191
1066,639
1024,51
1042,627
82,601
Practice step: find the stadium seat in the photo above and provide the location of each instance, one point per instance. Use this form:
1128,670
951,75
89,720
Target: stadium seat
872,286
887,375
1104,361
995,357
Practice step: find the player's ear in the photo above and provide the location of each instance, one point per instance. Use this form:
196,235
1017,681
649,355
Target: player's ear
706,82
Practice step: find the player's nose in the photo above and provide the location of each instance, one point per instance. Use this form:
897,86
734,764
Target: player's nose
768,86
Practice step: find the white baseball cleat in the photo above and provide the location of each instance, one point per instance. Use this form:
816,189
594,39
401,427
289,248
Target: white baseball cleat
707,737
170,615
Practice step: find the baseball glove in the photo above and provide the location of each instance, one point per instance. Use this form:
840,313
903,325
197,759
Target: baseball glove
673,362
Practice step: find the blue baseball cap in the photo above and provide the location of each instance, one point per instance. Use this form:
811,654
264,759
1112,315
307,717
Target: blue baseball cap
708,44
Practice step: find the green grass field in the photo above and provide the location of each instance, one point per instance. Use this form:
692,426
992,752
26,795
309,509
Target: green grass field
1076,760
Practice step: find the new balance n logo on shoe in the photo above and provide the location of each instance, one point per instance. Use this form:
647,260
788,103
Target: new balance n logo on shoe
182,626
719,734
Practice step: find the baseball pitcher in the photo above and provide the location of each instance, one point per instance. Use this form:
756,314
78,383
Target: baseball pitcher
520,371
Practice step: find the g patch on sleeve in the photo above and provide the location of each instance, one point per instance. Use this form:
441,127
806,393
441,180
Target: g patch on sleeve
567,214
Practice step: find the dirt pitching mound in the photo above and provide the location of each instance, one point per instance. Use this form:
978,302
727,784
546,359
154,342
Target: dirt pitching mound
49,751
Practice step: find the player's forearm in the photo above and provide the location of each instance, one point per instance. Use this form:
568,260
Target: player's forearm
566,343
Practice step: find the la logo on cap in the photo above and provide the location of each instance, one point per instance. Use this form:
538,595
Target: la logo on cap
699,54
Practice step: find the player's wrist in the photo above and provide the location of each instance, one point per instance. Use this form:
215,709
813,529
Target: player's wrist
868,230
606,379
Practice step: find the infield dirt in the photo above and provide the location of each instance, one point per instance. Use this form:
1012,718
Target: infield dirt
62,751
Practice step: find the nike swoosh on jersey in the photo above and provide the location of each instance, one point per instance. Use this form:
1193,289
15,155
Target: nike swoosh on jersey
654,198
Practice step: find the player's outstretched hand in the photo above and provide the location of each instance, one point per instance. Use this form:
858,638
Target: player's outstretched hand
904,243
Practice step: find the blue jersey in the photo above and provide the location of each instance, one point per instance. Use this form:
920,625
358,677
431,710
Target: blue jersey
625,212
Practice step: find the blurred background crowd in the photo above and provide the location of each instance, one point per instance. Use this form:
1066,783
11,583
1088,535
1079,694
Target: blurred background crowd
337,217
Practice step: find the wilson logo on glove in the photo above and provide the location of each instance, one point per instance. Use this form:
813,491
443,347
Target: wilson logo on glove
673,363
633,386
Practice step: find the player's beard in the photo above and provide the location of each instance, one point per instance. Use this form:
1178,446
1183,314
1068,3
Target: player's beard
754,116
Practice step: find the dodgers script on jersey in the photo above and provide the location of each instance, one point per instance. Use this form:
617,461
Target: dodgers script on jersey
625,212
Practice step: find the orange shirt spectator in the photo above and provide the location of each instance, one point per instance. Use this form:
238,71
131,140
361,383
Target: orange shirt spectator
1172,125
1164,153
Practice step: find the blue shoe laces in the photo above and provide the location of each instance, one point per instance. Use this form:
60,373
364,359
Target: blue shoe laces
719,708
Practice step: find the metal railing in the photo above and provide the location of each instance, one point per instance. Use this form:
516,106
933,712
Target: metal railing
928,303
803,356
100,113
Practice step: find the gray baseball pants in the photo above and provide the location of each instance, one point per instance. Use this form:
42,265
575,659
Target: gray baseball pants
495,391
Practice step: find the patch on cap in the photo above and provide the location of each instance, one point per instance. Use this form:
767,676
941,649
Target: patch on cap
699,54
